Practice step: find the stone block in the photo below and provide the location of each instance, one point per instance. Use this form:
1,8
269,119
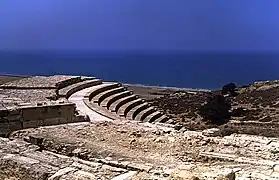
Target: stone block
14,118
140,167
183,174
68,110
51,112
4,129
52,121
62,172
4,125
15,111
16,125
82,175
126,176
3,112
33,113
225,174
3,120
81,119
213,132
70,120
32,124
63,120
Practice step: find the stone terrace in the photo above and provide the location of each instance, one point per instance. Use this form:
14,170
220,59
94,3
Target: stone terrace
10,96
38,82
34,89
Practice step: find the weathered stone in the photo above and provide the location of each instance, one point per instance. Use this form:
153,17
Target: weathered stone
183,175
84,167
4,125
212,132
32,124
77,151
13,126
113,169
88,163
62,172
160,140
3,111
35,140
219,155
226,174
140,167
84,175
126,176
171,139
21,159
276,168
52,121
12,118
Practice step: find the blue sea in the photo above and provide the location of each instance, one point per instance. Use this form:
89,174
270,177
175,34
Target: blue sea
206,70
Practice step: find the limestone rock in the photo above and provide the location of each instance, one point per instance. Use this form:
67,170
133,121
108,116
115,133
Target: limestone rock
183,175
62,172
226,174
213,132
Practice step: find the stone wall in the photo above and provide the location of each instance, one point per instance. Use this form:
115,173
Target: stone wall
30,116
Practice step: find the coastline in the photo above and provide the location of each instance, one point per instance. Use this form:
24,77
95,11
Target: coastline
124,84
169,87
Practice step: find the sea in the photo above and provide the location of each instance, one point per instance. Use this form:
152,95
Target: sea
199,70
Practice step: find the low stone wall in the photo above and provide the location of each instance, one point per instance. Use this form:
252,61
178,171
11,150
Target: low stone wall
16,118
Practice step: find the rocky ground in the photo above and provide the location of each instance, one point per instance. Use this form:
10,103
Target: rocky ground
150,151
17,90
258,107
37,81
5,79
138,151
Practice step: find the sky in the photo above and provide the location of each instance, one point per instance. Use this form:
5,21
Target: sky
207,25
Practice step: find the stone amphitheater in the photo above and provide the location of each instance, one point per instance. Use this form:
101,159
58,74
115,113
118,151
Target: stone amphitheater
77,127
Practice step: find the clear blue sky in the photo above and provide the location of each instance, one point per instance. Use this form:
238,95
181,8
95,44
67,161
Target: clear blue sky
139,24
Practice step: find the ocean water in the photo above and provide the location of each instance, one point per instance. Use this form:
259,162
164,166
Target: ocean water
184,70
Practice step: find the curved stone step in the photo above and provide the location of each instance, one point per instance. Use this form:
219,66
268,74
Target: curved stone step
153,116
137,109
69,90
143,114
104,87
161,119
111,99
117,104
123,110
100,97
169,121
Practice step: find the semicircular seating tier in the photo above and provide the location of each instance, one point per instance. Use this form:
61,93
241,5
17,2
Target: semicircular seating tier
112,100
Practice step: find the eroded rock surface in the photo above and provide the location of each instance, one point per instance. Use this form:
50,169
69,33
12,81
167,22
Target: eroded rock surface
158,152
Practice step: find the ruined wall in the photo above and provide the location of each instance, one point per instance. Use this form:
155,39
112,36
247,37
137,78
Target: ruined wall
16,118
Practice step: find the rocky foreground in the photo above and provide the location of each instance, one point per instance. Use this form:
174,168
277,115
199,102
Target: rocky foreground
246,147
138,151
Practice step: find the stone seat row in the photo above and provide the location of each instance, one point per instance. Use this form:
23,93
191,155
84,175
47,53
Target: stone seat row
117,99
